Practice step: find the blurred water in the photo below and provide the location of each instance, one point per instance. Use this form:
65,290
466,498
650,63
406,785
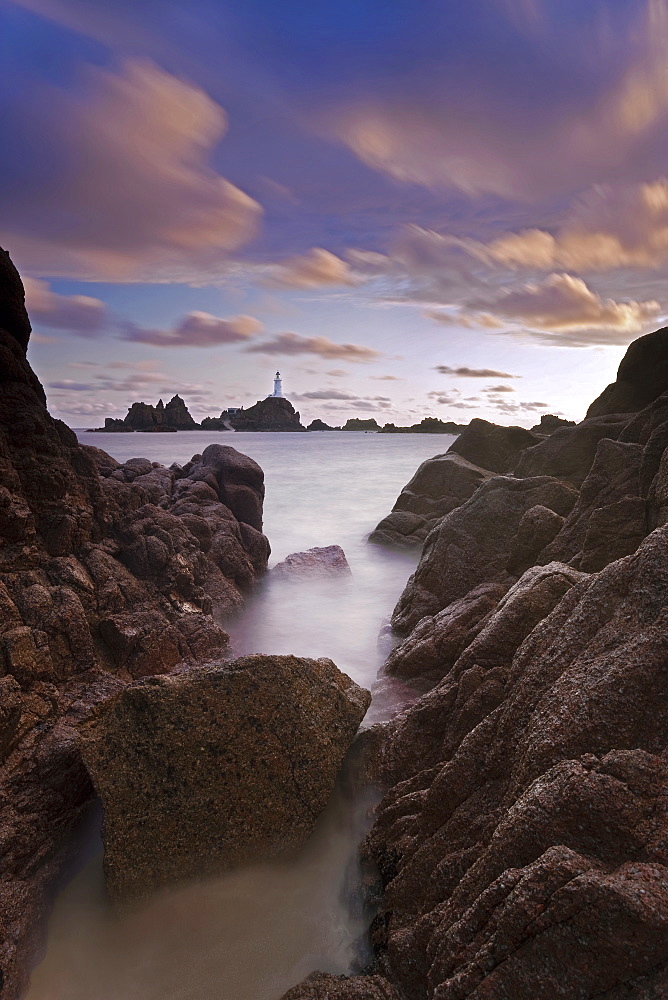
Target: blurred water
252,934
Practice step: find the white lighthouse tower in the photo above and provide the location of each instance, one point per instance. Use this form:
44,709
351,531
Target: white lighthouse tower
278,386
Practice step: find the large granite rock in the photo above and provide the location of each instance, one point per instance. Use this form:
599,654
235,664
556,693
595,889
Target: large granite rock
569,453
205,770
641,377
439,485
524,852
271,414
107,572
472,545
493,447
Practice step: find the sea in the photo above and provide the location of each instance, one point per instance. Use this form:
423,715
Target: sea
254,933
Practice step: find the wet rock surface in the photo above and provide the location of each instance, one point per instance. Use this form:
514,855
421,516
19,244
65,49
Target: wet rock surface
326,560
209,768
108,572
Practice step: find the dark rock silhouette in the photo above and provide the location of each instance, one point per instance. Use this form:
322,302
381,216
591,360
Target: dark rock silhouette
361,424
205,769
492,447
320,425
428,425
146,417
642,376
549,423
108,572
271,414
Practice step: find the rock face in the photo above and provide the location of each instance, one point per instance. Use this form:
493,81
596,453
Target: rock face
472,545
328,560
108,572
522,842
492,447
641,377
207,769
439,485
271,414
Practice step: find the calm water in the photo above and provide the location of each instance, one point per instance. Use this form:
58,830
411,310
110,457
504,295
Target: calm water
252,934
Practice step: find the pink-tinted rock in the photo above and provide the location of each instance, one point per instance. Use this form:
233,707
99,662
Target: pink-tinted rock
328,560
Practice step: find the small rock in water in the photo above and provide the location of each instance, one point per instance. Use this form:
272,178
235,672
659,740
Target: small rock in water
204,770
324,561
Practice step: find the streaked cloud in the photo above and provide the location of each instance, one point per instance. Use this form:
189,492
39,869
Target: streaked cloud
465,372
79,314
294,343
129,194
197,329
316,269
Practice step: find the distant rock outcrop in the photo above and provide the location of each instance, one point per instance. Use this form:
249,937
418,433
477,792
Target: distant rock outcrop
274,413
642,376
146,417
361,424
549,423
203,770
428,425
108,572
320,425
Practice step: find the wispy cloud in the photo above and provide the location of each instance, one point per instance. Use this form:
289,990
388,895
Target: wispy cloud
293,343
465,372
316,269
197,329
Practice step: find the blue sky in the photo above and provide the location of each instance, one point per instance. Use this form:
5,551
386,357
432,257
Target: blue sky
455,209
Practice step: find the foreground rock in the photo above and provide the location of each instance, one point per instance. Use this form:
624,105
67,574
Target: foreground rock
205,770
328,560
472,545
108,572
324,987
526,855
439,485
642,376
492,447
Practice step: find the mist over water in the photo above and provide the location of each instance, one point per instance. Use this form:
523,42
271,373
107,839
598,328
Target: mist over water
252,934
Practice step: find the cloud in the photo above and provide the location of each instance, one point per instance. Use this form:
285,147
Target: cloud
316,269
610,226
197,329
497,124
129,194
294,343
387,378
79,314
337,373
464,372
562,304
499,388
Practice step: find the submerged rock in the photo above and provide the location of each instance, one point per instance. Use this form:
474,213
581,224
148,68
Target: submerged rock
204,770
328,560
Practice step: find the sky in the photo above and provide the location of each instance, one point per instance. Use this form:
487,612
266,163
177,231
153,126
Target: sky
453,208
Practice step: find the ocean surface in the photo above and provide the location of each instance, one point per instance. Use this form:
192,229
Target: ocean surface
252,934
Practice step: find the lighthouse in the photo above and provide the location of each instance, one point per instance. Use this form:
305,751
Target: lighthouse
278,386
